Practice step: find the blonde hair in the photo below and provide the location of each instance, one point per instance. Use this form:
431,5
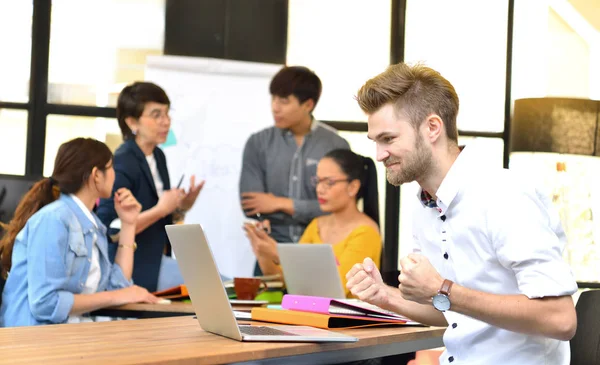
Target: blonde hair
417,91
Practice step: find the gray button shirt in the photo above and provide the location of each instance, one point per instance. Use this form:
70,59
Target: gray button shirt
274,163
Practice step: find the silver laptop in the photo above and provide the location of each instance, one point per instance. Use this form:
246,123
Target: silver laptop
310,270
210,301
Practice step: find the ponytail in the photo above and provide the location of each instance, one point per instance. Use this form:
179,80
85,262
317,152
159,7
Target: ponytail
363,169
41,194
74,162
369,191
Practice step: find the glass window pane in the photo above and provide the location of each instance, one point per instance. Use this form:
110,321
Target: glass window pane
573,183
13,141
359,143
556,49
490,152
470,53
15,43
344,50
62,128
97,47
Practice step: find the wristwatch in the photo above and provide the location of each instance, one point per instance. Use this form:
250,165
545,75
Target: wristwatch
441,301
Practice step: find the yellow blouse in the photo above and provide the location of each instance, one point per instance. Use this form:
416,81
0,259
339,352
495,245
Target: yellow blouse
364,241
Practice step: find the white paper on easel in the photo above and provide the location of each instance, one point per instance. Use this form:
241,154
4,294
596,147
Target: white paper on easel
215,106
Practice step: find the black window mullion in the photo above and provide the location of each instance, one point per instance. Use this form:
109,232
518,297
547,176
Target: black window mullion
347,126
9,105
389,260
81,110
480,134
38,87
507,92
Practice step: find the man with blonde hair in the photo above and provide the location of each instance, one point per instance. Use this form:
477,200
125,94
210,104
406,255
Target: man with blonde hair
487,256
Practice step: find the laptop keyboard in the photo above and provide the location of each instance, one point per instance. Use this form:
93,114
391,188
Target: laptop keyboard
264,331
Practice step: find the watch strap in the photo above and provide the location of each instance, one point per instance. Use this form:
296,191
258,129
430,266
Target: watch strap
446,287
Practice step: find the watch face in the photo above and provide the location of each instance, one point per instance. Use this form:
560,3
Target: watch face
441,302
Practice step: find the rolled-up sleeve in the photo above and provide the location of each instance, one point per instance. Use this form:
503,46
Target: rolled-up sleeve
117,279
306,210
530,241
47,275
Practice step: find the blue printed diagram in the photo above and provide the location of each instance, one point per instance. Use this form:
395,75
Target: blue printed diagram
171,139
219,165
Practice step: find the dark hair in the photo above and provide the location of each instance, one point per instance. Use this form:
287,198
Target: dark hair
360,168
133,99
72,168
298,81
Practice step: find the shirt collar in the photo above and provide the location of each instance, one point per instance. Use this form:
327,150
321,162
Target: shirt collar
313,126
84,219
450,184
426,199
84,209
137,151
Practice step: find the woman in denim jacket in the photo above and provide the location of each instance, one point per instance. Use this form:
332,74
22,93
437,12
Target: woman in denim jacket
55,251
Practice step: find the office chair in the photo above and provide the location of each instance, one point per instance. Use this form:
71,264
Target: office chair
585,345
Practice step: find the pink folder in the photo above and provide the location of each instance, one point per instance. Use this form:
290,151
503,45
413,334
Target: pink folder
353,308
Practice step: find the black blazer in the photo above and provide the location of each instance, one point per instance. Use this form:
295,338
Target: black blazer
132,172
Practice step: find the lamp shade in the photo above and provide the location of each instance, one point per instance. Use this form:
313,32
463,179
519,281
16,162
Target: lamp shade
560,125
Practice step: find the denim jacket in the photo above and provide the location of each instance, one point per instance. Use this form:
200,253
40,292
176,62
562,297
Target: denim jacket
50,263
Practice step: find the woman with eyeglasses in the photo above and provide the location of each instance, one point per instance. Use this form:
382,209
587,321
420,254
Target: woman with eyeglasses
141,166
343,178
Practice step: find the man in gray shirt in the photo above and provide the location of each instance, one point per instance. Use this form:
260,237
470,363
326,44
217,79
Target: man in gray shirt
279,162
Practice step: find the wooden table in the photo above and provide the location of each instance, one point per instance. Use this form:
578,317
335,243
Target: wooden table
142,310
180,340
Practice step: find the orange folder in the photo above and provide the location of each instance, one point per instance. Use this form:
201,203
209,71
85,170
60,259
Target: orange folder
176,292
318,320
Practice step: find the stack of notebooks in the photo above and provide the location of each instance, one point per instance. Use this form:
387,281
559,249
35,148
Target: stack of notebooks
179,292
328,313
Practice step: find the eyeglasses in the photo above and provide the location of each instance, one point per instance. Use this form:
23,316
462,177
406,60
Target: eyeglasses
328,181
157,116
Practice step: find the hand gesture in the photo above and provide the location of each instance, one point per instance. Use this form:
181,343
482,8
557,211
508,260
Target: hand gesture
190,198
419,281
364,281
126,206
134,294
260,203
265,225
262,244
170,200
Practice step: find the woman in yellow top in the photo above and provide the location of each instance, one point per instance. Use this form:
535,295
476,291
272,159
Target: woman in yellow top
342,179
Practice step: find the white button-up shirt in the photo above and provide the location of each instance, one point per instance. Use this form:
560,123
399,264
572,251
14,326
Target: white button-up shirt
91,284
492,232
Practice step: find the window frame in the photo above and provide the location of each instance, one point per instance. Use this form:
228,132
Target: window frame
38,110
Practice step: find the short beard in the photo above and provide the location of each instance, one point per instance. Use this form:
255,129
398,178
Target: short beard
412,167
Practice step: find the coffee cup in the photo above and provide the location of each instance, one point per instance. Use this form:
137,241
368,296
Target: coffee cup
248,288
